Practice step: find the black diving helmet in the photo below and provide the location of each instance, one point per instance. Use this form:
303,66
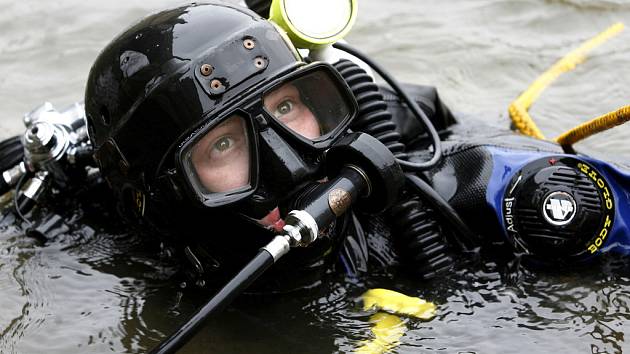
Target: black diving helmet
206,111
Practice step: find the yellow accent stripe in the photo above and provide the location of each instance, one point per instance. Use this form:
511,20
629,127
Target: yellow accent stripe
518,109
594,126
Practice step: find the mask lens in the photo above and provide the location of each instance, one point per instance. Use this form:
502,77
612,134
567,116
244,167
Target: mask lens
311,106
218,163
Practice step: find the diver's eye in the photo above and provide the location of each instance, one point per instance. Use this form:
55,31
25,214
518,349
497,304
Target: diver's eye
284,108
223,144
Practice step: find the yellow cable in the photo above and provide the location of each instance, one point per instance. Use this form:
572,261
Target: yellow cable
594,126
518,109
523,122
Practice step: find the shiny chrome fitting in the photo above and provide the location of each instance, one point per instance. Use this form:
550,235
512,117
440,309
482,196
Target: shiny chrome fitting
301,227
44,142
13,175
278,247
40,138
35,114
36,186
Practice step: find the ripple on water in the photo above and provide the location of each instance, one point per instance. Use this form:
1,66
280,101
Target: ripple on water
75,293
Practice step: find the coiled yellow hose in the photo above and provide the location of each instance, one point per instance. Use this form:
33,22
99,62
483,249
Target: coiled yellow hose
523,122
518,109
594,126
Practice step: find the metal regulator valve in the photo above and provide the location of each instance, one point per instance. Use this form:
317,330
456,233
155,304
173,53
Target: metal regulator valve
57,151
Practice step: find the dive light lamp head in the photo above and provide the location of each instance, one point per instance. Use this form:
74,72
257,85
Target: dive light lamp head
311,24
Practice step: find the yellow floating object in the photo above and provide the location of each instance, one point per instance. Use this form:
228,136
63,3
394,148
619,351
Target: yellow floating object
398,303
518,109
387,330
594,126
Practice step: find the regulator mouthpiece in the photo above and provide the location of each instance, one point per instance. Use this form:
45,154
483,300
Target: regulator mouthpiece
321,206
360,168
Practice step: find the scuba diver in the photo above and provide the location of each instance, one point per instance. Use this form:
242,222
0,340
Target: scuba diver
210,128
210,140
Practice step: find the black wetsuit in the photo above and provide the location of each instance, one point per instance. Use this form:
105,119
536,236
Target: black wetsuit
358,244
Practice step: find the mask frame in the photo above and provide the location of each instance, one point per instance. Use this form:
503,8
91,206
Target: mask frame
257,119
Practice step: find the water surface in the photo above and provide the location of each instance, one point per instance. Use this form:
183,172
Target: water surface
96,290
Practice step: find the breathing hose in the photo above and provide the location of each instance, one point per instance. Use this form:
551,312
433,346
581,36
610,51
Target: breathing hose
467,238
373,117
224,297
420,238
594,126
413,106
11,152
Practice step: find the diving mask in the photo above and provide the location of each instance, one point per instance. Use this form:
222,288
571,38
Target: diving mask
308,109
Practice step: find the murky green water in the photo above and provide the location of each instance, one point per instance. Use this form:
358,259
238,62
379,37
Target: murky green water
100,291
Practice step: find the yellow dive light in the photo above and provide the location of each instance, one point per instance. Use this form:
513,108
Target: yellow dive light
314,23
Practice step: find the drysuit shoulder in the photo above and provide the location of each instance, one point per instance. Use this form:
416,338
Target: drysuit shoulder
428,99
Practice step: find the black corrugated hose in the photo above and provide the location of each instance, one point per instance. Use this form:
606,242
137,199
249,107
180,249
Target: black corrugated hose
420,239
11,153
261,7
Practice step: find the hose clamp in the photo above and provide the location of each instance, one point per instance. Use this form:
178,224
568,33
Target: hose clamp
278,247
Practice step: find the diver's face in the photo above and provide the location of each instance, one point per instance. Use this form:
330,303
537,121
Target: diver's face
221,158
286,105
